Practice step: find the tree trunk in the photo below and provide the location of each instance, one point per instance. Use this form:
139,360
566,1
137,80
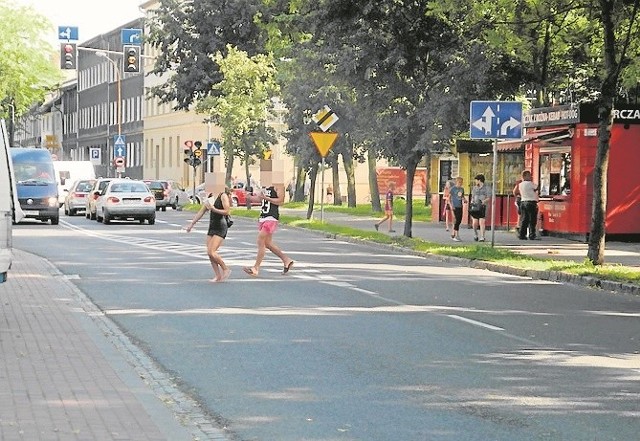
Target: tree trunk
228,178
335,183
411,174
597,235
350,171
312,189
373,179
248,182
301,177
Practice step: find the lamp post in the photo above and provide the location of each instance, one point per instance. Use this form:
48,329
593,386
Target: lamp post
13,124
119,93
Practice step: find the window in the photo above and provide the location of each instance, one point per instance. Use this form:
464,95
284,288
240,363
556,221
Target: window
555,172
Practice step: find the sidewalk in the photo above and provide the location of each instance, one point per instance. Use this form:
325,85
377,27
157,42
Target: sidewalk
623,253
62,377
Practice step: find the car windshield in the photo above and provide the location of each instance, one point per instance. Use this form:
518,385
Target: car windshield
156,186
128,187
84,186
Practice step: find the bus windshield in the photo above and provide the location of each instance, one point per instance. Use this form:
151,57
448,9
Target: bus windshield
34,173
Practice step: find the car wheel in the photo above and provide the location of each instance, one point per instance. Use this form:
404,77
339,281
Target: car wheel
92,216
141,220
55,220
66,211
152,220
107,218
72,212
164,208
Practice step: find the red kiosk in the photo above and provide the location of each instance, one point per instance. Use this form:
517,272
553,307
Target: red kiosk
560,150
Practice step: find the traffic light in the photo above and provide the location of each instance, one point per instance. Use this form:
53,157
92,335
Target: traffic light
131,58
68,56
197,153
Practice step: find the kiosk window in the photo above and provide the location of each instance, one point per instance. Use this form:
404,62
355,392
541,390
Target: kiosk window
555,173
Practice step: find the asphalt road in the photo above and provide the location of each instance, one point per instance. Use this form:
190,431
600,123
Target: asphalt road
358,342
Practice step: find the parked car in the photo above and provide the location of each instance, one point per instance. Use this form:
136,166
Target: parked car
159,190
178,196
94,194
126,199
238,196
76,197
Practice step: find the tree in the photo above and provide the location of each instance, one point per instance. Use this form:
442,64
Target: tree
26,70
403,63
188,34
618,25
240,104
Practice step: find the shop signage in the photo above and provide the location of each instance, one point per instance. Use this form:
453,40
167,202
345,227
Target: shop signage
552,116
579,113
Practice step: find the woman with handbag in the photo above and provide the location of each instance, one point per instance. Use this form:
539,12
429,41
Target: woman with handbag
218,208
480,196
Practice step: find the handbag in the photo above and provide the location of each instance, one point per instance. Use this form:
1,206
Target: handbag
475,207
229,221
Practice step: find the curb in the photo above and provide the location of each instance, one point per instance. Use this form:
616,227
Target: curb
551,276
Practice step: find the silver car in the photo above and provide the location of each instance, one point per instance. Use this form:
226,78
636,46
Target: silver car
75,198
94,194
126,199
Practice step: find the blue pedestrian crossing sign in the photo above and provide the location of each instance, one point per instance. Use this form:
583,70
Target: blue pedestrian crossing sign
496,120
213,148
119,146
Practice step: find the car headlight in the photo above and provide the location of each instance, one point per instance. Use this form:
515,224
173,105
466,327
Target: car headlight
53,202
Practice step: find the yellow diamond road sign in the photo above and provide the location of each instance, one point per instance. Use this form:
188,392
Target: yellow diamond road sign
325,118
323,141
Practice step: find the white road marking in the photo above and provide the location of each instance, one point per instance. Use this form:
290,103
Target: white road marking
475,322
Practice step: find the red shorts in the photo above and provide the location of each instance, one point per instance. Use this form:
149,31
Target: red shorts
268,226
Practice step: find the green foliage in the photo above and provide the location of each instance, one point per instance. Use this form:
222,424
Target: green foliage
26,69
188,34
240,102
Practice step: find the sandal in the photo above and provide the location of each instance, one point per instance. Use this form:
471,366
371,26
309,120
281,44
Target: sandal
250,271
287,267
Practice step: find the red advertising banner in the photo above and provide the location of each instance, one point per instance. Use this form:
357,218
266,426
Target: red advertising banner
399,177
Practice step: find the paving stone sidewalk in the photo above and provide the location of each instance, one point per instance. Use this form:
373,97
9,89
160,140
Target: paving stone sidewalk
61,378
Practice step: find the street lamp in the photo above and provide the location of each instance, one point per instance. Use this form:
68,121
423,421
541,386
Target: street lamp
119,87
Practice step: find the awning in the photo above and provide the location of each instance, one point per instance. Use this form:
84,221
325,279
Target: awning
554,136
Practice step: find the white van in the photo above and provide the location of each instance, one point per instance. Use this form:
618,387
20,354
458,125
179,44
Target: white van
67,172
10,211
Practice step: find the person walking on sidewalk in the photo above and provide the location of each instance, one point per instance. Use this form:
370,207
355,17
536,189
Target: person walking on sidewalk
267,225
218,208
449,215
388,208
457,200
480,196
529,206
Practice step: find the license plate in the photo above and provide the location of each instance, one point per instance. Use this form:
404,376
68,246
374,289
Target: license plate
31,212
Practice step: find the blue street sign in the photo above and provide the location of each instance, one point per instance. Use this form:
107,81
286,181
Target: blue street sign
119,146
213,148
131,36
67,33
496,120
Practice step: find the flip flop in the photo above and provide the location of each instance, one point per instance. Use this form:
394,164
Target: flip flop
250,271
287,267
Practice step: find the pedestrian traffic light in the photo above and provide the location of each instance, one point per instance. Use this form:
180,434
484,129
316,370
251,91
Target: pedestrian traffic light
131,58
68,56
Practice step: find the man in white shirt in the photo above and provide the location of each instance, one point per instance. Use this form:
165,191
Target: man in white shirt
528,205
